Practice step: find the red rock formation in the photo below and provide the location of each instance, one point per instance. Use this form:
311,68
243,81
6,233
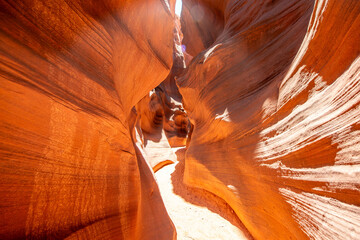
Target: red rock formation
275,107
70,73
272,90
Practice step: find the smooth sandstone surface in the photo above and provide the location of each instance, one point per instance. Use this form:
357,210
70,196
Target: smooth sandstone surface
89,109
275,106
71,71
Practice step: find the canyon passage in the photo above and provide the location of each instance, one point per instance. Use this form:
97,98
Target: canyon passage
231,119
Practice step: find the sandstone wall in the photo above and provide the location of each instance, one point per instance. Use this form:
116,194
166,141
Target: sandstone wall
70,73
272,90
275,105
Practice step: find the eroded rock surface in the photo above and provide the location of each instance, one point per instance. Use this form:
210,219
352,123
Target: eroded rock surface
272,90
275,107
71,71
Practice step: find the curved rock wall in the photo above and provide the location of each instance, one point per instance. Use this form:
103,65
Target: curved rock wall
272,92
201,23
275,107
70,73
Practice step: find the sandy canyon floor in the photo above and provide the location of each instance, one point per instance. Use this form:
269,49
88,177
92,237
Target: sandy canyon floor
197,214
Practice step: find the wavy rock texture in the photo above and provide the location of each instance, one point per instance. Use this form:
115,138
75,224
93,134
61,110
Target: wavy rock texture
275,102
272,91
71,71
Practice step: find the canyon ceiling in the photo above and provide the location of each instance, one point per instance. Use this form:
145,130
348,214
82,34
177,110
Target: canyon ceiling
266,97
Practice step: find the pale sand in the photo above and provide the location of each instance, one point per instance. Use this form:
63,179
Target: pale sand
189,208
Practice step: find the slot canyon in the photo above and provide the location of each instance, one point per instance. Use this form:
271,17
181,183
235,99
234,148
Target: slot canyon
126,119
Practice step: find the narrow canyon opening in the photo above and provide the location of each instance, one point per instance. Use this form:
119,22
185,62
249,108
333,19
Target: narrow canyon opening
163,132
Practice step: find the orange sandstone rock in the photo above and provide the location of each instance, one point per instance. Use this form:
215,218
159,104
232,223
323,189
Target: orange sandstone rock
272,89
70,73
275,105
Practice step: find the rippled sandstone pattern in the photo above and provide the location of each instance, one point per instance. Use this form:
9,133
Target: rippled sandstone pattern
275,102
273,93
71,71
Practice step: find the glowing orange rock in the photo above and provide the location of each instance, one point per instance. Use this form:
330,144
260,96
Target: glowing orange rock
272,89
275,105
70,73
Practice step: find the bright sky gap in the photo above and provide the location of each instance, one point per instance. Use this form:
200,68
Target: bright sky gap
178,7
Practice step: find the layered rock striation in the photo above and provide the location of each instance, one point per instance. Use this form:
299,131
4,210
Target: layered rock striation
274,101
268,106
71,71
